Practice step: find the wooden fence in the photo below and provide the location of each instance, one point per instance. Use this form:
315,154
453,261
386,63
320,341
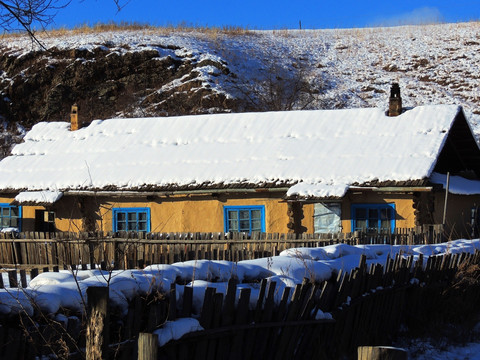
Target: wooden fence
367,305
122,250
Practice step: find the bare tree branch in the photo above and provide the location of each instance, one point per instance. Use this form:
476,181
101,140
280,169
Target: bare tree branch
120,4
26,14
281,88
29,15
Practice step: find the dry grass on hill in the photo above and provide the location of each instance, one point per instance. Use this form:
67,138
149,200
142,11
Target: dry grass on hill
135,26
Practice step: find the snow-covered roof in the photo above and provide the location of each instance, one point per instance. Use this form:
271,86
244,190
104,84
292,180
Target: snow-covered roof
38,197
325,151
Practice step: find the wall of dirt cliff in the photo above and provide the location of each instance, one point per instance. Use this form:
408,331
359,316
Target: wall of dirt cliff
42,86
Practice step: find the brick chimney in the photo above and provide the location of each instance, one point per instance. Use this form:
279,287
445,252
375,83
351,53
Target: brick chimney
395,102
74,122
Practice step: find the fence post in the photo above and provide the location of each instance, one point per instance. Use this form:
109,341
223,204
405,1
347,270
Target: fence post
381,353
12,278
147,346
97,323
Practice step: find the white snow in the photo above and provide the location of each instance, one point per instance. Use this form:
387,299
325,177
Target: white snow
457,185
52,291
38,197
67,289
434,64
174,330
441,349
324,150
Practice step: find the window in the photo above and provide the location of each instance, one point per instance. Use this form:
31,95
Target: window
326,218
131,219
44,221
373,217
10,216
244,218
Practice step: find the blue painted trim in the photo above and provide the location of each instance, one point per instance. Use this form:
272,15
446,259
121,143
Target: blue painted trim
390,206
115,211
7,205
238,208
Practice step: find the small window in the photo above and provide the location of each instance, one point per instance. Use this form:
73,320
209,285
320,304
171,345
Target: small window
373,217
44,221
327,218
244,218
131,219
10,216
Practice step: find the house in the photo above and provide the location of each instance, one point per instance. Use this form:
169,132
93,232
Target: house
297,171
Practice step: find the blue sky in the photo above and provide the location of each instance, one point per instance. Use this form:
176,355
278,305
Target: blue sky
267,14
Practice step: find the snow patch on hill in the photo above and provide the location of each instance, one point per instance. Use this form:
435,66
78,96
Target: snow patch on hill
434,64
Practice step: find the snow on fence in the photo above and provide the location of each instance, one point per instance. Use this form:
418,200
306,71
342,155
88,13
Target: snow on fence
326,320
129,250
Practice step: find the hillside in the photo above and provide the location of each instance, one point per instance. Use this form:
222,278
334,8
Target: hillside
160,72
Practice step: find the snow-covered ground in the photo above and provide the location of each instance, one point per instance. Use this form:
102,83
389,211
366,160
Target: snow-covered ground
434,64
52,290
67,289
433,350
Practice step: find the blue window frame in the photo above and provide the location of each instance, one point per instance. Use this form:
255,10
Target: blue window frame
131,219
373,217
10,216
244,218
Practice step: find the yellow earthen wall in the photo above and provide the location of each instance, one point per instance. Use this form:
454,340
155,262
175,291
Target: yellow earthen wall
68,216
174,214
205,213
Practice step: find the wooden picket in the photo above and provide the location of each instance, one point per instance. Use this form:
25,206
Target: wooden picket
367,306
121,250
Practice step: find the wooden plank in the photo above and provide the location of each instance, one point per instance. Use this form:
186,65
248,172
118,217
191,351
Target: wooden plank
33,273
135,312
60,253
292,314
12,351
217,311
175,246
229,306
187,301
7,253
43,253
263,338
16,254
12,278
228,315
261,297
147,346
282,307
206,317
172,300
305,306
49,257
97,338
237,349
23,278
23,252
